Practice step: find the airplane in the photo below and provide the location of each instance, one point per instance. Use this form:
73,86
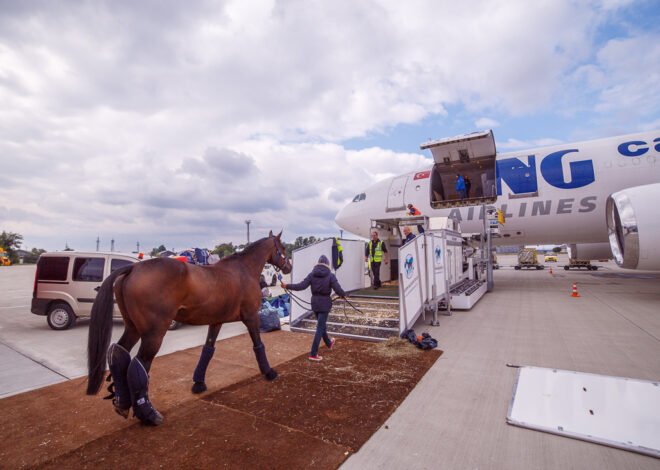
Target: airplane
598,196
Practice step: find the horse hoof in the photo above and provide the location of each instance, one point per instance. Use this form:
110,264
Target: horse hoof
154,419
199,387
271,374
123,412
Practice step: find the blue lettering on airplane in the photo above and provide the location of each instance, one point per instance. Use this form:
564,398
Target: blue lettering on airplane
633,149
521,176
582,172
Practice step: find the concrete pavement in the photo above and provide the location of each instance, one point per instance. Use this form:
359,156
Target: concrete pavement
455,417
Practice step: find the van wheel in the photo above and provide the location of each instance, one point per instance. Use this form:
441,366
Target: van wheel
174,325
273,282
60,316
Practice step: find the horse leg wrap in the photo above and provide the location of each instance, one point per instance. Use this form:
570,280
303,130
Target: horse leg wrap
138,384
200,371
264,367
118,361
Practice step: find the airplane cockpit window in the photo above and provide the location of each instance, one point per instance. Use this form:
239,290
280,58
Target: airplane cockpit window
360,197
363,196
356,198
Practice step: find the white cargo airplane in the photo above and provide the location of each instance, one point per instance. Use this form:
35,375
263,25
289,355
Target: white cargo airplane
600,196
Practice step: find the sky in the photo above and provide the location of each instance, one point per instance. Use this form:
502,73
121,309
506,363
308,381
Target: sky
167,122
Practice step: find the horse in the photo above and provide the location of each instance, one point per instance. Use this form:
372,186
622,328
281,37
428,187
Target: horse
150,294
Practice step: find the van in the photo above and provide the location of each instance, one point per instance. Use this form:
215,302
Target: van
66,283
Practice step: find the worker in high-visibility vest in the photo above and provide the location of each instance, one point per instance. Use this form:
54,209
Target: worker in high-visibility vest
412,210
375,251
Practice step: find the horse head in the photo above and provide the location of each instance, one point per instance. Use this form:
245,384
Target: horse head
278,257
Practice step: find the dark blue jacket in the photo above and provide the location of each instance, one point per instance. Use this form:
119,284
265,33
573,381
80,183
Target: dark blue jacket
322,281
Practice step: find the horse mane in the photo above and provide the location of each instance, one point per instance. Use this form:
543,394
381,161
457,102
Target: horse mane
247,250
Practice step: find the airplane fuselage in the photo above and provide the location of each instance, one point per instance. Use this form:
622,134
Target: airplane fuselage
548,195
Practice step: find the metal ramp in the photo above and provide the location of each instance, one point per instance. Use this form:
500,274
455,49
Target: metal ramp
375,319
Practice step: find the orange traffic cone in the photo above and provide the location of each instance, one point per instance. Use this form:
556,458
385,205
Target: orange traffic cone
550,269
575,292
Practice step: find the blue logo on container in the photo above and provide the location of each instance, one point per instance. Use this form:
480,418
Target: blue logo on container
438,253
408,266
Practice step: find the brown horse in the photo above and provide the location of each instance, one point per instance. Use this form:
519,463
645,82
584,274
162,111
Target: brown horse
151,294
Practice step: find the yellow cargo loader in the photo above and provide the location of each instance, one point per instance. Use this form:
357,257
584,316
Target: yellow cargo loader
4,258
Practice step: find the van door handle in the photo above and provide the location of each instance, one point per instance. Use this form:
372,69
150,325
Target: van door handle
97,288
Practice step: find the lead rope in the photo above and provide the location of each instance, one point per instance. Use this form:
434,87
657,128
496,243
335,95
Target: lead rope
297,300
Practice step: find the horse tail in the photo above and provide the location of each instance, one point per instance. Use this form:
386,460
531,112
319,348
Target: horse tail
100,330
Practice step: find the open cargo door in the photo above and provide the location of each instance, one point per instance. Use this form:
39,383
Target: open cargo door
473,157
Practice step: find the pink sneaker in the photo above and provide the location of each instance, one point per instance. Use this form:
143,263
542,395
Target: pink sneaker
332,343
316,358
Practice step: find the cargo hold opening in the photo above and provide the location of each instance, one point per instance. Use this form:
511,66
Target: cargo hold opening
473,157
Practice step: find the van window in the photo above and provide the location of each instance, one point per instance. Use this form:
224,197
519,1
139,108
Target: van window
115,264
52,268
88,269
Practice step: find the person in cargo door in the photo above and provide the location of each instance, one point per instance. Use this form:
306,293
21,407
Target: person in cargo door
460,186
323,282
374,253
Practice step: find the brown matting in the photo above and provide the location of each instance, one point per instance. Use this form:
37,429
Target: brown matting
313,415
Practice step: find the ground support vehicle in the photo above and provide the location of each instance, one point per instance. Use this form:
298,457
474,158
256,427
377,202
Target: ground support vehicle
527,259
4,258
579,264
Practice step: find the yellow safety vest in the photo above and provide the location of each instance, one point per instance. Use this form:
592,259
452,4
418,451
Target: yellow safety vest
377,253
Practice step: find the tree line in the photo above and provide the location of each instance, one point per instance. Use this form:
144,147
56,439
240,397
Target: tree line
11,242
227,249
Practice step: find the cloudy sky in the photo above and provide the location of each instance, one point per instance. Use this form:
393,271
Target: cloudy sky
169,122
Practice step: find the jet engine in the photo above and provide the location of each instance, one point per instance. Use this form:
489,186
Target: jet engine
588,251
633,225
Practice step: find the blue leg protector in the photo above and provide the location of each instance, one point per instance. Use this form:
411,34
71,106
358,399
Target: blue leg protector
200,371
264,367
118,361
138,384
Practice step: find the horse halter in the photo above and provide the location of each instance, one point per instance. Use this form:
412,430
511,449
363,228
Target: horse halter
282,257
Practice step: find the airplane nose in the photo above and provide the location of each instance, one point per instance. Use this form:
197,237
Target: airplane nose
341,218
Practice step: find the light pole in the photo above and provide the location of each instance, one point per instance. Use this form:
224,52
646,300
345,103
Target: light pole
247,222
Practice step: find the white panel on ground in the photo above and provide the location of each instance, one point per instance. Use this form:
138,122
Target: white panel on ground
410,285
615,411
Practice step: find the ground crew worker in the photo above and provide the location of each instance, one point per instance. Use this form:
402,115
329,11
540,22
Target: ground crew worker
375,252
412,210
408,234
460,186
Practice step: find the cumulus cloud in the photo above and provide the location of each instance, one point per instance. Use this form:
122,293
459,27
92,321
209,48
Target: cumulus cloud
486,123
171,121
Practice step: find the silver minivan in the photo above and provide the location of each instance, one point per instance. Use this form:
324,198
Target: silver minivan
66,283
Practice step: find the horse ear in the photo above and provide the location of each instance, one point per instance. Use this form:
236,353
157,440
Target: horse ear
279,234
270,234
